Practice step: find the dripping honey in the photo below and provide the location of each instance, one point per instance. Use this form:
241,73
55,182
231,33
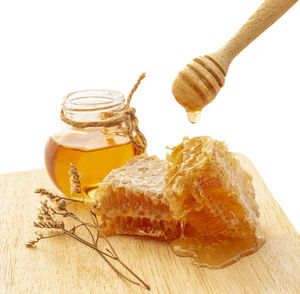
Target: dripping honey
194,116
92,164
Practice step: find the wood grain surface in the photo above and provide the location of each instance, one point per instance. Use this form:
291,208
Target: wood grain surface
62,265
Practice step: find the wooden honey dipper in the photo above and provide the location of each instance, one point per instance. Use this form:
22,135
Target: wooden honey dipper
200,81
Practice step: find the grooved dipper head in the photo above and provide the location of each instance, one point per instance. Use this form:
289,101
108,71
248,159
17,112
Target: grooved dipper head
198,83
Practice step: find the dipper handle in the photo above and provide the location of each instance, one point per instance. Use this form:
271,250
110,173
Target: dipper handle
263,17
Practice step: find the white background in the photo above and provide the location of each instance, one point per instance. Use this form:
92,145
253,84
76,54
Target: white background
50,48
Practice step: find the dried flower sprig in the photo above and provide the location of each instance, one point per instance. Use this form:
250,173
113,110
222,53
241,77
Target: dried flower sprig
51,217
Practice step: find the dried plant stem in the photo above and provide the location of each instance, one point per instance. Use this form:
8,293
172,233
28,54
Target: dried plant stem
104,255
50,217
95,221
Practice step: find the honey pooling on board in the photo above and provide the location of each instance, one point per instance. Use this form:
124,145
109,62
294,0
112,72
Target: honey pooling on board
200,199
93,152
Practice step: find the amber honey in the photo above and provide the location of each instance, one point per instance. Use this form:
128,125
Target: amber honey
92,137
92,165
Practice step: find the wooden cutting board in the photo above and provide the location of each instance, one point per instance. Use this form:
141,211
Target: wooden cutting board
61,265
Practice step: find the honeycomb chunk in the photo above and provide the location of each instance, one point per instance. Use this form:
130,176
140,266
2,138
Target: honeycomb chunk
131,200
200,199
213,196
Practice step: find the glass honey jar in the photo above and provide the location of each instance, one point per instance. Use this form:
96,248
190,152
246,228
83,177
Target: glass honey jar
95,142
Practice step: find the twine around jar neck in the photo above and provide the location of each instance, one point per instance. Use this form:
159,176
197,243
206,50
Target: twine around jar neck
127,115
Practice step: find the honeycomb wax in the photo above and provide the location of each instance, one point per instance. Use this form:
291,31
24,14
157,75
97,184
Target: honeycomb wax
131,200
200,200
213,196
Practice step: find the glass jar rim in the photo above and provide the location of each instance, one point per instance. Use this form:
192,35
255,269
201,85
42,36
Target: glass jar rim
94,100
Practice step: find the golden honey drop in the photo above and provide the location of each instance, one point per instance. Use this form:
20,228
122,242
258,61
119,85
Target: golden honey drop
194,116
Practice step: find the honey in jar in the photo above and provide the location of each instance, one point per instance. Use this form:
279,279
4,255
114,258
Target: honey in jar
95,151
